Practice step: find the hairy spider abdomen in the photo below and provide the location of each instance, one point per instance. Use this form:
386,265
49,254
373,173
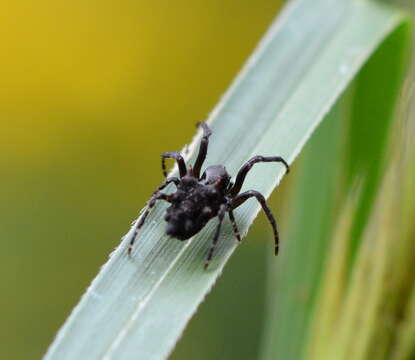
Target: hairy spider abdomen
193,205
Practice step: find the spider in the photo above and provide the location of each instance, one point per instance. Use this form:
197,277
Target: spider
198,199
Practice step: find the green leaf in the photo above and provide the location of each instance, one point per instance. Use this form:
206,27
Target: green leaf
369,314
137,308
349,146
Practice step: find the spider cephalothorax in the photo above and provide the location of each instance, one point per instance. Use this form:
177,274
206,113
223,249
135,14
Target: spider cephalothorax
201,198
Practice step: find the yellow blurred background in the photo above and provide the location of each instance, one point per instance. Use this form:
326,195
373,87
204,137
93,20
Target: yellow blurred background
91,93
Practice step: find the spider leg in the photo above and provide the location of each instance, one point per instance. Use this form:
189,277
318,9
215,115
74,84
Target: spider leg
221,214
241,198
180,162
248,165
167,182
156,196
234,226
202,149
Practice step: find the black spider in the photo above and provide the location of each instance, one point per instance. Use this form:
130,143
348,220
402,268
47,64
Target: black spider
199,199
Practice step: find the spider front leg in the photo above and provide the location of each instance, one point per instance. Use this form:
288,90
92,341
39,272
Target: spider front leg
240,178
202,149
150,204
167,182
180,162
241,198
221,214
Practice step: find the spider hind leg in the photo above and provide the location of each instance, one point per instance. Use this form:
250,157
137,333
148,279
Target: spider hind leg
241,198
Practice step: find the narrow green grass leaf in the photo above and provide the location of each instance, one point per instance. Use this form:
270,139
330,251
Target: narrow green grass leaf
324,322
374,314
327,172
137,308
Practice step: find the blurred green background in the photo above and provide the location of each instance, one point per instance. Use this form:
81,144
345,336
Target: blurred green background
91,93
